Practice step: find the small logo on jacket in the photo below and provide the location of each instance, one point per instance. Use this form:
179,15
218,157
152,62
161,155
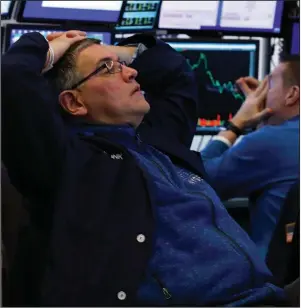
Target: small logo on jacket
289,230
116,156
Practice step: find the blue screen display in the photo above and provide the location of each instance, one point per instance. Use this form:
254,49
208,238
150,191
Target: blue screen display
247,16
139,15
95,11
16,33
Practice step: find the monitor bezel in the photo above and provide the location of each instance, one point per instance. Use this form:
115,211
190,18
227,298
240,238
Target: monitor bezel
10,27
21,18
219,32
10,10
121,31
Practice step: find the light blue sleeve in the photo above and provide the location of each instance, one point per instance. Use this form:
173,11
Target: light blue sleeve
247,166
215,148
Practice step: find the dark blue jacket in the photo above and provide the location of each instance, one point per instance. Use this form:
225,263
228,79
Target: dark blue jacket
87,207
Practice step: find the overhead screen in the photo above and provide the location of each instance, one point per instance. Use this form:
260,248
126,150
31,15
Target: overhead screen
88,11
217,65
6,8
235,16
295,47
14,32
138,15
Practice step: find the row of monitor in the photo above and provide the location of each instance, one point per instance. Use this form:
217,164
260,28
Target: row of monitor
261,17
217,64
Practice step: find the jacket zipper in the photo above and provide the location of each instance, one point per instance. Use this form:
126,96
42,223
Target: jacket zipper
232,242
166,293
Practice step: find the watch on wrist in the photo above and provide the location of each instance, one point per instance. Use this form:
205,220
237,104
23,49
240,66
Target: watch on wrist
233,128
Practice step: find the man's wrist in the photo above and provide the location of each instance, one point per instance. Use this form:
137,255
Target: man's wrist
49,60
238,123
235,129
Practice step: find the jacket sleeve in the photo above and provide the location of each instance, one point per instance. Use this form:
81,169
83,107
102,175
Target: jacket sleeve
170,87
33,137
245,167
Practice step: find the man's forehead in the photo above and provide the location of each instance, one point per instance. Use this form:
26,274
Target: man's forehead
279,69
93,54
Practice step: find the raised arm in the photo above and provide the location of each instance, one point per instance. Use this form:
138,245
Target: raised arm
33,137
170,89
240,169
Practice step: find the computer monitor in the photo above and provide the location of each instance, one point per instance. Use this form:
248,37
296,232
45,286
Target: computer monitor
138,16
217,64
118,37
57,11
253,17
295,44
15,31
6,9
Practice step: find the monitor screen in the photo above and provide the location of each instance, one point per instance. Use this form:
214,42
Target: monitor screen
89,11
295,47
231,16
15,32
138,15
217,65
6,7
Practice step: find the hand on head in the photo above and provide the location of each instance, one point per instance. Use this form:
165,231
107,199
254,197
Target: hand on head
253,110
61,41
247,84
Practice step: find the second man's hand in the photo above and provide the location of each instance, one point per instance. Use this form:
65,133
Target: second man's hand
247,84
253,110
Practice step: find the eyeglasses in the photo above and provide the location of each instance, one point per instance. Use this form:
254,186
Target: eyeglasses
111,66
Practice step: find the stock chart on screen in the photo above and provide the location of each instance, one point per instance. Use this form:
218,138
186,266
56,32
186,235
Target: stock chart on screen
217,65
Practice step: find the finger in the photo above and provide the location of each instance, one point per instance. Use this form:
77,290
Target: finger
262,87
251,81
74,33
264,114
76,39
262,97
243,86
54,35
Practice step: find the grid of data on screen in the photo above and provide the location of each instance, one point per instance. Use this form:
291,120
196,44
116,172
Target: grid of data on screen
257,16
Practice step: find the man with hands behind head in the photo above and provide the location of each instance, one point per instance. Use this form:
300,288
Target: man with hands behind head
265,163
121,211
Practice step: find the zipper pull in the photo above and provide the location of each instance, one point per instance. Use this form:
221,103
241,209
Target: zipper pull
166,293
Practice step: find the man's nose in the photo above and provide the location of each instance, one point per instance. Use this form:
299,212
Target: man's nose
128,73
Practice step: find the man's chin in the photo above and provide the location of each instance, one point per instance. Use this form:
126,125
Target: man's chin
145,107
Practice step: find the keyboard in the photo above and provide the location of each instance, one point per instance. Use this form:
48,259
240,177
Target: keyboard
199,142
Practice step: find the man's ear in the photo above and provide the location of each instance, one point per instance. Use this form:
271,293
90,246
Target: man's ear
292,96
72,103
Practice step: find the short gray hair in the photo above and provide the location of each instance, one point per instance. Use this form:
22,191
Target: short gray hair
64,74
